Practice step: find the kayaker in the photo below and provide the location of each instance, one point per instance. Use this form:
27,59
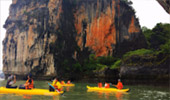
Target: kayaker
62,82
100,85
107,85
29,84
56,84
11,80
68,82
119,84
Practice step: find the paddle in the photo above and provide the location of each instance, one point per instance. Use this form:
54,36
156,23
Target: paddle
113,85
116,86
56,89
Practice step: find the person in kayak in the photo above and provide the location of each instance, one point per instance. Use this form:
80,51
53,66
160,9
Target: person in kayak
11,80
100,84
62,82
119,84
68,82
107,85
56,84
29,84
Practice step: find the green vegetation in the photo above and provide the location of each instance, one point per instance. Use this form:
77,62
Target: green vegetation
158,51
158,36
139,52
95,64
147,33
165,48
116,64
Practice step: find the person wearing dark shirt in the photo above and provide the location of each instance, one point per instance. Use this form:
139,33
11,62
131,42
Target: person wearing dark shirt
11,80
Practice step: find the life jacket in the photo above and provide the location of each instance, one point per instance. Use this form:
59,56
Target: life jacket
62,82
68,82
107,85
31,85
119,85
57,84
54,84
100,85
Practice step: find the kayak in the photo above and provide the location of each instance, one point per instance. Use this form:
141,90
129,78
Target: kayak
4,90
67,84
106,89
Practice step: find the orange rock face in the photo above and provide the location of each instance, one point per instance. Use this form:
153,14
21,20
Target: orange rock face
101,35
101,32
132,27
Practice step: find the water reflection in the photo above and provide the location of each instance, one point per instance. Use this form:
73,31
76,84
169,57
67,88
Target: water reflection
27,96
67,89
119,95
109,94
56,97
32,97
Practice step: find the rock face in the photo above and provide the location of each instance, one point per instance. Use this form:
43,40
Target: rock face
145,74
45,36
165,4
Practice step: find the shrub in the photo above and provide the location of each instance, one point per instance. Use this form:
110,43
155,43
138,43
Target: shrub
116,64
138,52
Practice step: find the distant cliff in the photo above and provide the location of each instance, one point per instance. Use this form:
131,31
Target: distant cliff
1,75
46,37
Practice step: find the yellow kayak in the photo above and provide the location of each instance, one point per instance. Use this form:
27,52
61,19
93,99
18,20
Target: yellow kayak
67,84
4,90
106,89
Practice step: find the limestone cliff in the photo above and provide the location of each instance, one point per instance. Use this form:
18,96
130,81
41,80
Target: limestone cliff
45,37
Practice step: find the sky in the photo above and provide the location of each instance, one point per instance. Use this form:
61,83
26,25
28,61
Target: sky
149,13
4,12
